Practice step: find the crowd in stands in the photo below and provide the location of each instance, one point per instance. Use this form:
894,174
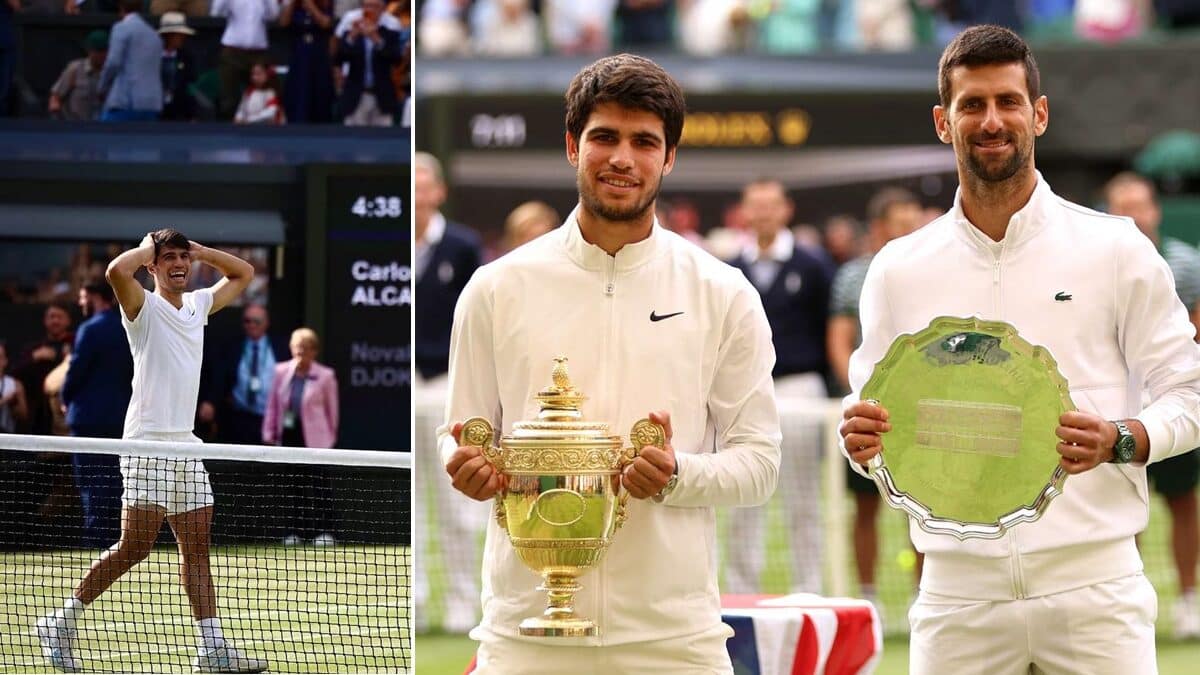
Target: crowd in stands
714,27
47,272
348,62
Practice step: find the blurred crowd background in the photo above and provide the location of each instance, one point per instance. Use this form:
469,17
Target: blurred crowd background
778,27
261,62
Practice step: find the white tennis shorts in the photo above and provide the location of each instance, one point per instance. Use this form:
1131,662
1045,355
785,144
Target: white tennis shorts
177,485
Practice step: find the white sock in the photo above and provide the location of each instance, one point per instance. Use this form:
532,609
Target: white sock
1188,595
71,610
210,633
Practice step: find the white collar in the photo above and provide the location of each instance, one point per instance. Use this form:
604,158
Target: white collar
435,230
781,250
592,257
1021,226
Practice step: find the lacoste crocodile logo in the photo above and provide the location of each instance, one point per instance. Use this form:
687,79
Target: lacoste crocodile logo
660,317
1062,296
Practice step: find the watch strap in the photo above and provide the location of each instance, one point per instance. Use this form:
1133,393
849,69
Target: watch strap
1124,447
670,486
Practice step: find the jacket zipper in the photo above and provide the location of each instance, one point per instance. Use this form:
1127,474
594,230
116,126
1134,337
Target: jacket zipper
1014,554
997,264
1018,572
610,374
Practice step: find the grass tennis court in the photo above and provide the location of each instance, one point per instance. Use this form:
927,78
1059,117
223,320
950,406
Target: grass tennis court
306,609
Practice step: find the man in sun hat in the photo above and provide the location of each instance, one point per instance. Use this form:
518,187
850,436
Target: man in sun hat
178,68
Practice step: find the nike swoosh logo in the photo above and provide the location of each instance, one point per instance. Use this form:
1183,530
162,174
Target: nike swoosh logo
660,317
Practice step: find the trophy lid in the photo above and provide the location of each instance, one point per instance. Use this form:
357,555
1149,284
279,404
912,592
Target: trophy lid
560,418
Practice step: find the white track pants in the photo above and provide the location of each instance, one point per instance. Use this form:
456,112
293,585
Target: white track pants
1103,629
703,654
457,522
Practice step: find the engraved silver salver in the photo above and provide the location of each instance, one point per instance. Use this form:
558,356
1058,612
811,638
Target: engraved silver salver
973,408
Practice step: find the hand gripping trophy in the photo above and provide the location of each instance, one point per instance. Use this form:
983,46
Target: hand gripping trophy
562,500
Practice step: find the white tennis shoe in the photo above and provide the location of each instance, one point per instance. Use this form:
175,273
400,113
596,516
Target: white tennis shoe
58,646
1187,618
226,659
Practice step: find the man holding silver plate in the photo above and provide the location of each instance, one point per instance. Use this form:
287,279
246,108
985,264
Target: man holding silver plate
972,328
652,326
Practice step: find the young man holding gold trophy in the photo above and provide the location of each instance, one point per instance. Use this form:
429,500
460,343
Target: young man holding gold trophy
652,326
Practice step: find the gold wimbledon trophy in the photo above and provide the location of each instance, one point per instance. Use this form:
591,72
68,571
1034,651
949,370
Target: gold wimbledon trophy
562,500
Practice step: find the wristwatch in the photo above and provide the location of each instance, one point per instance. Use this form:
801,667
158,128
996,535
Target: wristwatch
670,486
1124,448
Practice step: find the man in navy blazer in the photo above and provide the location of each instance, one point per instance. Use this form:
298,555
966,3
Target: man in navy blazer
794,284
445,257
238,380
368,94
96,392
131,73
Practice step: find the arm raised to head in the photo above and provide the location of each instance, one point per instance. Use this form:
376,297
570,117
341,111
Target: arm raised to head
119,274
238,274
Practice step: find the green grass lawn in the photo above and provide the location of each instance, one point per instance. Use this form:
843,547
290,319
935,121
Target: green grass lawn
449,655
305,609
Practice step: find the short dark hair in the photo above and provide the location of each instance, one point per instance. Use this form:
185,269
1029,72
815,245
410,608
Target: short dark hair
168,238
131,6
631,82
882,201
100,288
987,45
62,305
265,64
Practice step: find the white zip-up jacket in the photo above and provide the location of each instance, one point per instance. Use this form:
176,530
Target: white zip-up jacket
1122,330
707,360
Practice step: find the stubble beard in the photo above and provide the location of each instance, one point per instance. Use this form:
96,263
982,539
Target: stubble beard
997,174
594,204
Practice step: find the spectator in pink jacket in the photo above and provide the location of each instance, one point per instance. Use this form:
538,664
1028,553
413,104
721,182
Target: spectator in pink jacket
302,412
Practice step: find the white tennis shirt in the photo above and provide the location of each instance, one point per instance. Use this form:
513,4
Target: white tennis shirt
167,346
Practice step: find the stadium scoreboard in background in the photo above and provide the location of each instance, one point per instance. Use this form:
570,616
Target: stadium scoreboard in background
359,295
741,122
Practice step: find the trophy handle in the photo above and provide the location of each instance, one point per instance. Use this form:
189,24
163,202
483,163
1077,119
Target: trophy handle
478,432
643,433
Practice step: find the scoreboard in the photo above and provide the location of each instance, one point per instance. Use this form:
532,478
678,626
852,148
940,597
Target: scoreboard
358,253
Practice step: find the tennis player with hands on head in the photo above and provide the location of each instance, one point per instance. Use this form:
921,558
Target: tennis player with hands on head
166,337
1066,593
649,321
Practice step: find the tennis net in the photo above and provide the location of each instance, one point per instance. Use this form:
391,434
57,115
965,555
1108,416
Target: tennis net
308,553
